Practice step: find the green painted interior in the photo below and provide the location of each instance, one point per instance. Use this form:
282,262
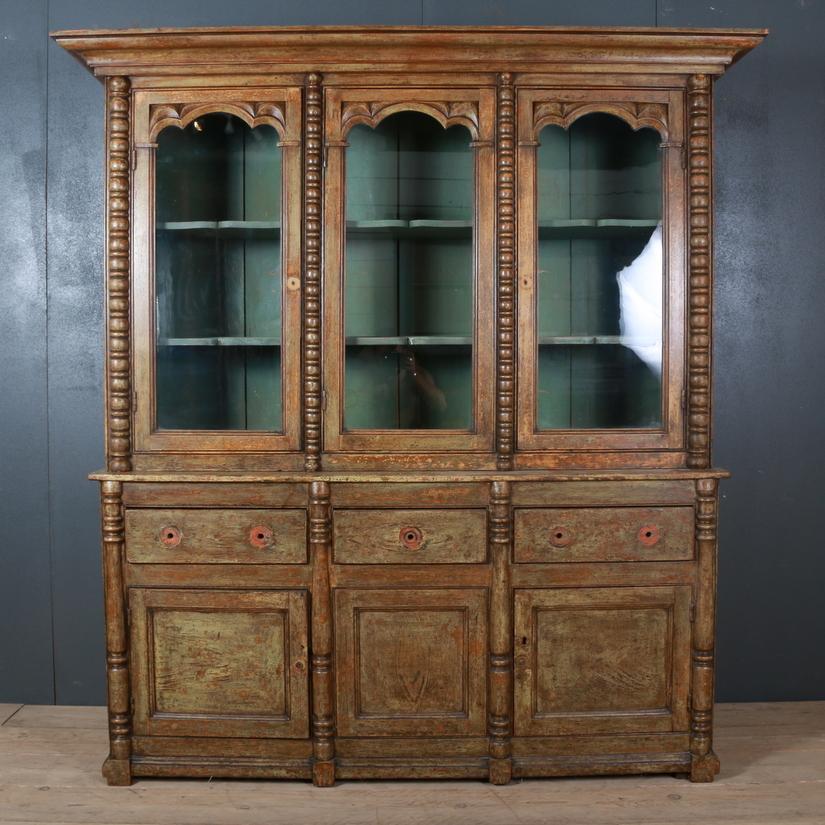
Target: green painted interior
409,275
218,276
599,195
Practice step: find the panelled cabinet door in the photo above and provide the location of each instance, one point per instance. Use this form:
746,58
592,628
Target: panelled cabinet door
602,660
601,206
227,663
411,662
408,225
217,270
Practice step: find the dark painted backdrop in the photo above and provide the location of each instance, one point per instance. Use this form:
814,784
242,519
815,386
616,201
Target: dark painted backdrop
769,346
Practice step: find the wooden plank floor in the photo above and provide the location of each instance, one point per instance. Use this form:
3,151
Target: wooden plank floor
773,772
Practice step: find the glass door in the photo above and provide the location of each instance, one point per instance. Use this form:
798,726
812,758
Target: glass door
595,287
409,336
221,301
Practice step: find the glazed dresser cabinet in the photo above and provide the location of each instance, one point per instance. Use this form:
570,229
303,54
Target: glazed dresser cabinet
408,372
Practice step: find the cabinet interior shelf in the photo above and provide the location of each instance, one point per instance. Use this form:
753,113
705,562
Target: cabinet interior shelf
219,341
584,340
224,229
572,228
418,228
409,341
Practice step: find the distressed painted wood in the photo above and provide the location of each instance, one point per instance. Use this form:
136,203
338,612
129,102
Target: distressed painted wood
216,536
605,534
337,594
409,536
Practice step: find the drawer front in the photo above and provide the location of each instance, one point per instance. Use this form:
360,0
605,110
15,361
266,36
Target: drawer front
216,536
588,534
410,536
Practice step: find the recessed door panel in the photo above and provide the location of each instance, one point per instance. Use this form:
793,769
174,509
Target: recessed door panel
602,660
410,663
219,663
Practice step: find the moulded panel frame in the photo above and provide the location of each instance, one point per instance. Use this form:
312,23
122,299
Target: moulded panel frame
671,717
663,110
293,607
148,104
471,107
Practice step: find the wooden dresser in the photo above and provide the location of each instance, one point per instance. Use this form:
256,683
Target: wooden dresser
408,408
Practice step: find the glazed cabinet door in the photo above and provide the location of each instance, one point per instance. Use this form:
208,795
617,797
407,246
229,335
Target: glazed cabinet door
601,262
227,663
217,199
408,328
602,660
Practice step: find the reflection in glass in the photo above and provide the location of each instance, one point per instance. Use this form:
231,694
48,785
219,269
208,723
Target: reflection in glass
600,279
408,284
218,276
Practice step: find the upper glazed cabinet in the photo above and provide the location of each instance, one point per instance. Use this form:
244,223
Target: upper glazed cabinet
351,265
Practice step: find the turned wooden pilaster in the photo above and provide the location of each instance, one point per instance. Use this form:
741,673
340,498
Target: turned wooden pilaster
118,234
506,281
323,720
501,635
700,199
116,768
313,172
705,764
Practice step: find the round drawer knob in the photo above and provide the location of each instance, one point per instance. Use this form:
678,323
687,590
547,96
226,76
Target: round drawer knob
260,536
171,536
649,535
561,536
411,537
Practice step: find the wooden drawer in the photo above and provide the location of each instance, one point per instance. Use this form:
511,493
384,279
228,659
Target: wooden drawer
410,536
216,536
587,534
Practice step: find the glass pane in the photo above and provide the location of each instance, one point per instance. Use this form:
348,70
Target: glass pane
218,276
600,276
409,276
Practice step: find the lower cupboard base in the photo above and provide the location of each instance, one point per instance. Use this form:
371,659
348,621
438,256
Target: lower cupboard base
497,771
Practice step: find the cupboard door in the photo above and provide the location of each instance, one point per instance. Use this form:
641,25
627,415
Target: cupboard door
601,269
602,660
411,662
409,269
219,663
217,272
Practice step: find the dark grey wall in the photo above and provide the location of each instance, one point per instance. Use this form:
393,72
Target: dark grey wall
770,300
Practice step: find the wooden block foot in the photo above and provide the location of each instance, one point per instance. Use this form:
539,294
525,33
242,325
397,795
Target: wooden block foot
117,772
323,774
501,771
704,768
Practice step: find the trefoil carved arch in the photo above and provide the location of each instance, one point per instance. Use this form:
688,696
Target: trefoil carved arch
447,113
180,115
564,113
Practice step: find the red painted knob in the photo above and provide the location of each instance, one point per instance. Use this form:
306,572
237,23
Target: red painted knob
260,536
411,537
171,536
561,536
649,535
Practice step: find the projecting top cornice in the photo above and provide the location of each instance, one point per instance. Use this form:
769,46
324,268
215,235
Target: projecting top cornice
212,51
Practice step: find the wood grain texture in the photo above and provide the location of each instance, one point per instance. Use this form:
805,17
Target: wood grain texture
220,663
118,234
700,248
410,536
603,534
216,536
